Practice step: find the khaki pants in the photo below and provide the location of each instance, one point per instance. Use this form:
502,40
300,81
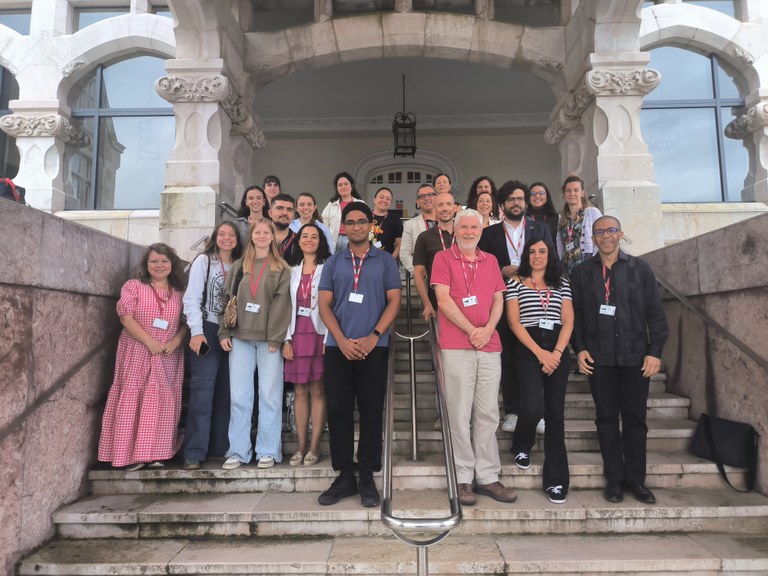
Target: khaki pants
472,396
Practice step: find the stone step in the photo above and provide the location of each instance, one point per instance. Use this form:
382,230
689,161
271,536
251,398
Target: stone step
280,514
547,555
664,470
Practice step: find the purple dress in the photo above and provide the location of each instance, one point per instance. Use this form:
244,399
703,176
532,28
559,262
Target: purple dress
307,363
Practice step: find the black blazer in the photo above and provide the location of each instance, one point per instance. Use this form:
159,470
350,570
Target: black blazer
494,240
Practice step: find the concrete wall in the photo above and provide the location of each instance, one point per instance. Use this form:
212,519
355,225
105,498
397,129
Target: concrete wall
725,274
59,283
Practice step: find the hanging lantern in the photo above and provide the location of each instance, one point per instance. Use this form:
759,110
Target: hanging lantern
404,130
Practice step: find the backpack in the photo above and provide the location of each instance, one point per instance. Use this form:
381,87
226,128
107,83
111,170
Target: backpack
9,190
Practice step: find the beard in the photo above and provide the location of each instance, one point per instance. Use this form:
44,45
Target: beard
511,216
467,245
281,225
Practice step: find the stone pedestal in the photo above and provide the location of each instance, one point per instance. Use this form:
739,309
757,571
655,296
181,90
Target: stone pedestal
753,126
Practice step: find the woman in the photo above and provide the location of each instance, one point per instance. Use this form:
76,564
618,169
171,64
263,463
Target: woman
541,208
260,280
272,188
487,205
208,411
306,207
345,193
140,423
540,313
253,208
479,186
574,231
386,228
442,183
303,346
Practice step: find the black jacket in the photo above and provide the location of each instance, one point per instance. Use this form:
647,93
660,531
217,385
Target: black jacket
494,240
639,327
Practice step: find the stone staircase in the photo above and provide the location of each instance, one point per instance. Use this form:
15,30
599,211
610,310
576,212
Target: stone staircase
250,521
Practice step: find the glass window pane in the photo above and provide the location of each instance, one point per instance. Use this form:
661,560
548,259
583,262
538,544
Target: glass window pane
736,161
684,147
9,156
163,12
78,164
727,86
18,21
85,18
685,75
131,84
132,157
9,89
724,6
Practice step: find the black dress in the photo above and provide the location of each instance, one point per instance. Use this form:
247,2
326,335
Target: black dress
387,229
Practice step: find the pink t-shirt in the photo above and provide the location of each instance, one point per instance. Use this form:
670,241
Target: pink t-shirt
486,281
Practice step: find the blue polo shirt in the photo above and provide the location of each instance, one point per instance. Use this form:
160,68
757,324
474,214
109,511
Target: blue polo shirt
379,274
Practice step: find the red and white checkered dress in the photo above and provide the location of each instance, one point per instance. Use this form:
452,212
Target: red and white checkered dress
140,422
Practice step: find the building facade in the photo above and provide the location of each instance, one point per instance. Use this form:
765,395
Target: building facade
140,118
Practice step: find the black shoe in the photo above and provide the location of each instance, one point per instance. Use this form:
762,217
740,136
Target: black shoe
522,460
369,495
641,493
343,487
614,492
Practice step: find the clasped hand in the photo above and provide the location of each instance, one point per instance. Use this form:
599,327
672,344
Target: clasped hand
358,348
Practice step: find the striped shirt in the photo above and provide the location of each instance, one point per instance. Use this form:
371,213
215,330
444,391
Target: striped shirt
531,302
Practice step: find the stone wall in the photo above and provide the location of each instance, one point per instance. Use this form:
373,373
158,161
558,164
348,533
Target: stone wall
725,274
59,283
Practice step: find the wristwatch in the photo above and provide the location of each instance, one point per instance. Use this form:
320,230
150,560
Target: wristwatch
378,334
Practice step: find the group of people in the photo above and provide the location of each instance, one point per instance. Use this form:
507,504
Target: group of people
285,294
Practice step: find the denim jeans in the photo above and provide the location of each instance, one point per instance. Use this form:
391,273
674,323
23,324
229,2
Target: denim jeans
243,359
208,412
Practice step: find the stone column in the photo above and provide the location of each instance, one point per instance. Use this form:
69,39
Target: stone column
403,5
323,10
42,129
211,120
485,9
753,125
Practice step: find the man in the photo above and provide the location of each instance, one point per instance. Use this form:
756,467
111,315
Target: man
359,298
425,201
619,332
505,241
470,302
428,244
281,213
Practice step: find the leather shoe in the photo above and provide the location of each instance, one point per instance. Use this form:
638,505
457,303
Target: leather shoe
642,494
369,495
343,487
614,492
466,498
497,491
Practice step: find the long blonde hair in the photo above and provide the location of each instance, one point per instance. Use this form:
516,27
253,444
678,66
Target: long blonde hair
276,262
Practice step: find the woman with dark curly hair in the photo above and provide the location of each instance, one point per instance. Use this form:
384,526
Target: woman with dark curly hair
140,422
540,313
483,198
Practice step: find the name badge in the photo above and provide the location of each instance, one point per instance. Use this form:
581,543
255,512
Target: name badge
570,246
469,301
514,262
355,297
304,311
252,307
608,310
160,323
377,244
547,324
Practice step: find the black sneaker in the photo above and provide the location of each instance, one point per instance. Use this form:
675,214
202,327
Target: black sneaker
556,494
523,460
369,495
343,487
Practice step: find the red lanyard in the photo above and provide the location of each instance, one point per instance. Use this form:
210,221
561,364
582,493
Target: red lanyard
472,267
306,293
442,242
544,303
286,243
426,222
520,240
607,282
255,285
160,302
572,224
355,269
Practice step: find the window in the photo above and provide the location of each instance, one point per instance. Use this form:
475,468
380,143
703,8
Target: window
413,177
378,179
17,20
683,121
724,6
394,178
125,132
9,154
86,16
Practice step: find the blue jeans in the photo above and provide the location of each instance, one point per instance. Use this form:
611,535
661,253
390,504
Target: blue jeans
208,412
243,359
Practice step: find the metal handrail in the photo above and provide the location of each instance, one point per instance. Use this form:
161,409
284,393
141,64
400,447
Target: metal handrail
434,529
224,207
759,360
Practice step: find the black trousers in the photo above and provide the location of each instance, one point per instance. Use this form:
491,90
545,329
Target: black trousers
543,395
510,392
348,382
621,391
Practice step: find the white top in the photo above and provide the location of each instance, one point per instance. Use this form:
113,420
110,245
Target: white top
193,297
315,313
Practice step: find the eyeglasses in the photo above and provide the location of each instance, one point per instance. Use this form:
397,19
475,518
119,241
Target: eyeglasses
513,200
352,223
427,195
612,231
538,193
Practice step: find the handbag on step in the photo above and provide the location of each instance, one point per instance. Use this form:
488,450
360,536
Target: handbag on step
727,443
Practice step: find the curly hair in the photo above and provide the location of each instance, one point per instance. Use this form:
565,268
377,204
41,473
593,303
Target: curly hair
552,273
176,278
323,250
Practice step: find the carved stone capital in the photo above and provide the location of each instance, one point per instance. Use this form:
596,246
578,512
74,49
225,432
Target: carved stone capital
568,115
46,125
754,119
638,81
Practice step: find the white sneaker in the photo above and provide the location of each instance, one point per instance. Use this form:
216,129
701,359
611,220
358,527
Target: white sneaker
510,423
540,427
231,463
266,462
